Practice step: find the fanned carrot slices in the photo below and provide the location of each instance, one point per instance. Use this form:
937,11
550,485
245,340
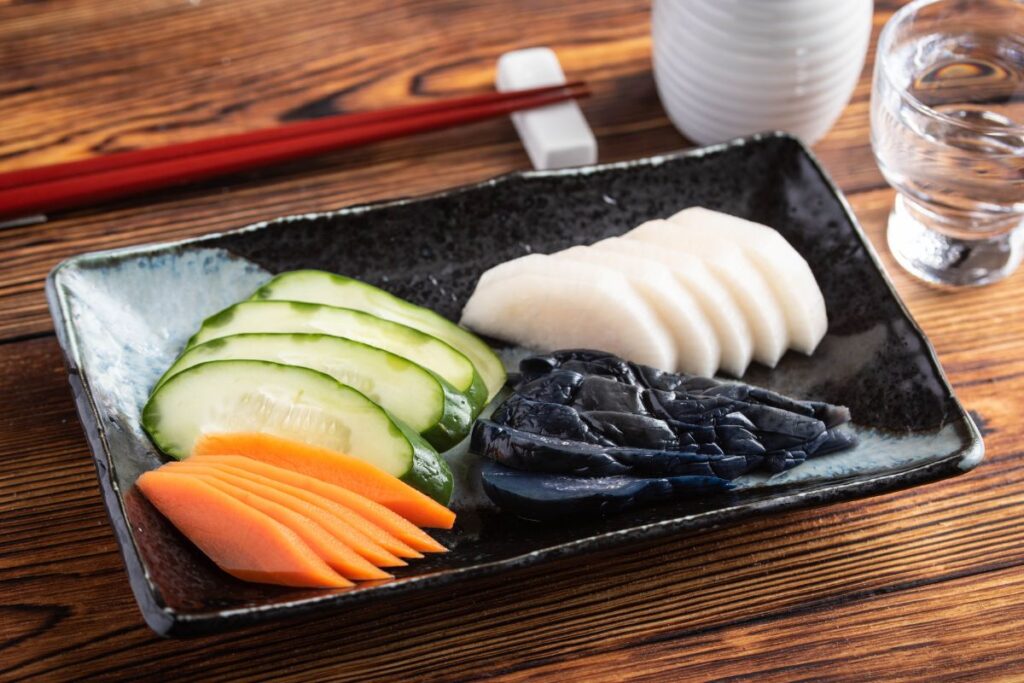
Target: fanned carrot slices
241,540
276,511
389,521
339,556
332,467
345,532
364,528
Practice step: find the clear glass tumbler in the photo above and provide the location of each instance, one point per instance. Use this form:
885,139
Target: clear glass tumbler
947,130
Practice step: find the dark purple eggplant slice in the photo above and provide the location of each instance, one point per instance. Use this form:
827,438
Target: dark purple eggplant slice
533,452
559,386
604,393
541,496
547,419
628,405
586,432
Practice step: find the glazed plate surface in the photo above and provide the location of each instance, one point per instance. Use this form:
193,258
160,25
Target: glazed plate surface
122,316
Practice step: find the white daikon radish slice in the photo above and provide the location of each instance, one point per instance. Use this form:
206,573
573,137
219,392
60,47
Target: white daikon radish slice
740,277
696,341
548,305
786,271
528,263
722,311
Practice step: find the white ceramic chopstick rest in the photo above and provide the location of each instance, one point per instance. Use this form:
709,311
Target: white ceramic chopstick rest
555,136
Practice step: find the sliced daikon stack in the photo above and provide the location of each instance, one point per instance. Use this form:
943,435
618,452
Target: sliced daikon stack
786,271
734,270
527,263
546,305
731,329
696,341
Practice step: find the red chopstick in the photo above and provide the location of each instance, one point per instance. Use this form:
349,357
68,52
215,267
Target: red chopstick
72,184
122,159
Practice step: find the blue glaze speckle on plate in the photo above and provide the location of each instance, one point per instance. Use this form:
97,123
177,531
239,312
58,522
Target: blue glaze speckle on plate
122,316
137,309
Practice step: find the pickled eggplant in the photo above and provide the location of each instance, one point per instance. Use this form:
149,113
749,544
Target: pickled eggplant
625,404
587,430
539,496
536,453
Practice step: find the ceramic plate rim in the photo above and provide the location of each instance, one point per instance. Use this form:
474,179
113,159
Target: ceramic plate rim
167,621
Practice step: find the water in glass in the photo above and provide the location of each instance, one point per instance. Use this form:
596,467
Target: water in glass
948,133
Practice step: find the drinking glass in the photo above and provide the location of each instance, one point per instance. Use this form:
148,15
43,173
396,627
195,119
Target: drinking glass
947,130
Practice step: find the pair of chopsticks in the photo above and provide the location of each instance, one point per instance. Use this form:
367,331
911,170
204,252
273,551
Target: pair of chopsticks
79,183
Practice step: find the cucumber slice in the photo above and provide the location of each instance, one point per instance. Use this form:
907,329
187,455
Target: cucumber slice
292,316
320,287
290,402
413,394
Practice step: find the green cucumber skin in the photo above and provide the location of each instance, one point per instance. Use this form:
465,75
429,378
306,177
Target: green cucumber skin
493,363
150,418
477,395
452,424
456,420
216,320
476,392
428,472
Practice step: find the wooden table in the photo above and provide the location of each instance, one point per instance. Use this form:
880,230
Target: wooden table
922,584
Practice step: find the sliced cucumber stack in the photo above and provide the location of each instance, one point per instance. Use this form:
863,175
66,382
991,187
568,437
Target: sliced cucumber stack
411,393
317,286
291,402
295,317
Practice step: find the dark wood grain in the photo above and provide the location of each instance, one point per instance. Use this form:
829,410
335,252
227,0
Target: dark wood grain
922,584
611,53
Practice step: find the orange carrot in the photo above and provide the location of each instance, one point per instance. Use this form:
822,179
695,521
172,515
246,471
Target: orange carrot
336,554
394,524
345,533
241,540
332,467
345,514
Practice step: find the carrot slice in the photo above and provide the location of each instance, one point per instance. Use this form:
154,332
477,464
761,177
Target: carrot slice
344,532
335,468
393,523
336,554
241,540
345,514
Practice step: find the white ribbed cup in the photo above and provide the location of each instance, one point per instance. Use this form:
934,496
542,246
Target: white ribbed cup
728,68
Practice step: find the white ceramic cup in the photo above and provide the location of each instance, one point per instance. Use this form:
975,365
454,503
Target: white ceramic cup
728,68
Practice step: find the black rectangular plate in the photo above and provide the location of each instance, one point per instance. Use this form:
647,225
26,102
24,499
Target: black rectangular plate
121,316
